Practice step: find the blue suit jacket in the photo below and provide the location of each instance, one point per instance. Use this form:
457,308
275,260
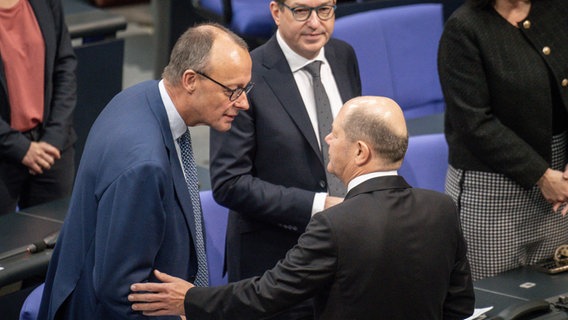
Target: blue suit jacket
268,167
130,213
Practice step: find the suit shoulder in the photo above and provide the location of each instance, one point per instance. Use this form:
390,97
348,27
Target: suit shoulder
437,201
340,45
435,195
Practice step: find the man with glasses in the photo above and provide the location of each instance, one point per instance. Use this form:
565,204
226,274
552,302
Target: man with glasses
135,205
270,168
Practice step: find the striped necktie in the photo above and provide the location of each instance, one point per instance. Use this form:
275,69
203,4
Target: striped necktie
190,171
325,118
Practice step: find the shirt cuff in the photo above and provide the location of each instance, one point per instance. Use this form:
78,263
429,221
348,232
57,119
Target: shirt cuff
319,202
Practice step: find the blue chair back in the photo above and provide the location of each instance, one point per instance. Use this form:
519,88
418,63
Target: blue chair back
30,308
215,218
426,162
214,6
252,18
397,51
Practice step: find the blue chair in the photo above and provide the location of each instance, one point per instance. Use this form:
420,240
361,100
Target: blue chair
397,51
351,7
426,162
215,219
250,19
214,6
30,308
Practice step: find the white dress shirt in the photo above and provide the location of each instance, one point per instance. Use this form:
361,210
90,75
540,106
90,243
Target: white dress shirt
177,125
305,86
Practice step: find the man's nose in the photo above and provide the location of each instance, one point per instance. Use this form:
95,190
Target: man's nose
242,102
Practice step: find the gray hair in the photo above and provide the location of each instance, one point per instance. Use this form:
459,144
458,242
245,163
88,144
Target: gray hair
192,50
374,130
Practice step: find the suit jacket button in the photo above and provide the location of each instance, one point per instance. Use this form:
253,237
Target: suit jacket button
322,184
564,82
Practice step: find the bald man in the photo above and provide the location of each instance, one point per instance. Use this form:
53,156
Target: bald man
387,252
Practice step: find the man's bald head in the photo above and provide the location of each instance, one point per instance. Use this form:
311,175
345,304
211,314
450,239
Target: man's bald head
378,121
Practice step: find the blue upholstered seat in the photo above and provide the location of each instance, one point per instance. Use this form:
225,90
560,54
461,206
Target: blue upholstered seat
397,52
426,162
247,18
214,6
252,18
215,218
30,308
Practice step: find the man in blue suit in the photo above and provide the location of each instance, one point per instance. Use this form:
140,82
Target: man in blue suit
269,169
131,211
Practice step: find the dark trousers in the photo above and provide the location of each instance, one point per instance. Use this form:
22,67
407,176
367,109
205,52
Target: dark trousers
18,188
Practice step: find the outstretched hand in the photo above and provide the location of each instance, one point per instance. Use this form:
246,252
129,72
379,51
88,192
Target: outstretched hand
160,299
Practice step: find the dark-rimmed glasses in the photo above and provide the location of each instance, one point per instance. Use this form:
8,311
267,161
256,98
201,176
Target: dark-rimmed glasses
303,13
234,94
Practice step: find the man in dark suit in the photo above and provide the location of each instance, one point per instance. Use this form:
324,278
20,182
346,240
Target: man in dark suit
387,252
269,169
132,209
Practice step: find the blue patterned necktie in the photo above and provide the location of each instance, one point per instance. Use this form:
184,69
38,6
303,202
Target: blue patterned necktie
325,118
190,171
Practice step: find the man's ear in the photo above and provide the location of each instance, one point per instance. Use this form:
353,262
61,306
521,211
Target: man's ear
275,11
189,80
363,153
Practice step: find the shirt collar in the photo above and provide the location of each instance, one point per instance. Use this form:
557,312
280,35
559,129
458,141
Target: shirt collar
295,60
364,177
177,125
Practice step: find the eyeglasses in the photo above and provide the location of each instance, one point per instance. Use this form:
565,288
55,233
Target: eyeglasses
234,94
303,13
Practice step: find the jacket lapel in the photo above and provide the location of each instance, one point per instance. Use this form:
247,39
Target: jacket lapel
279,78
180,186
339,71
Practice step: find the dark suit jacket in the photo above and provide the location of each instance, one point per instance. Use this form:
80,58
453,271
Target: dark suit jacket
60,87
268,167
387,252
130,213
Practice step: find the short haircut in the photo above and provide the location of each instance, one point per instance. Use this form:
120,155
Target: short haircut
360,124
193,48
281,2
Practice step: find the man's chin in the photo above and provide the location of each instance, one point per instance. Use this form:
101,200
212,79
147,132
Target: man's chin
330,170
222,127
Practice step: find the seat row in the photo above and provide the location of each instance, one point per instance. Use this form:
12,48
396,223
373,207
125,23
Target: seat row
396,45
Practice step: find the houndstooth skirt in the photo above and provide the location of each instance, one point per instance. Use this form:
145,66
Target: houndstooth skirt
506,226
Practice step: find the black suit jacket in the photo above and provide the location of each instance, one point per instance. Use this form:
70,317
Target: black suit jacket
60,87
387,252
268,167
